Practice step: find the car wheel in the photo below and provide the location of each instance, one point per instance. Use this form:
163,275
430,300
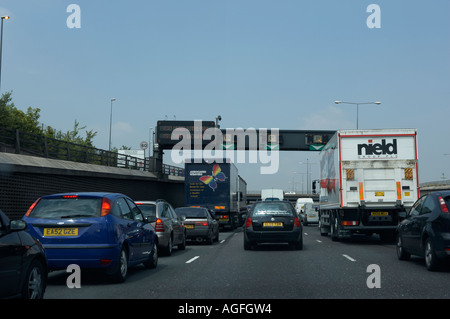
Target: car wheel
299,244
169,248
217,236
210,239
35,281
121,270
247,244
401,253
182,246
153,261
431,260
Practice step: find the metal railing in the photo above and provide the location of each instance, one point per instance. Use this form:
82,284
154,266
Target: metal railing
19,142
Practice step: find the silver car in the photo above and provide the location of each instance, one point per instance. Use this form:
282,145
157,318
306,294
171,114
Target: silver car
168,226
200,224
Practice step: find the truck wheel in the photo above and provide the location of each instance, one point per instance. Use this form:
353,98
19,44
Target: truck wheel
323,230
334,229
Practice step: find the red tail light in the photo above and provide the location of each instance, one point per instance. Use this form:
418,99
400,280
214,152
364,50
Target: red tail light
159,226
105,262
443,205
106,207
248,222
32,207
350,223
201,223
296,222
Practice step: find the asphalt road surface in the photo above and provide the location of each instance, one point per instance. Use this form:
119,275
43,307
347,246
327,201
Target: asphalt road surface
363,267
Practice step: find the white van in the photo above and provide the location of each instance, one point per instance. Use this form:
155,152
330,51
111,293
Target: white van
305,209
310,214
300,203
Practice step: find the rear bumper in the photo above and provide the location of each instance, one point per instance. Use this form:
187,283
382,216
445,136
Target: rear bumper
273,236
163,239
198,232
85,256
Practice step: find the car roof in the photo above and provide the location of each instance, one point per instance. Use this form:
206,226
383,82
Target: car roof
145,202
87,194
443,193
273,201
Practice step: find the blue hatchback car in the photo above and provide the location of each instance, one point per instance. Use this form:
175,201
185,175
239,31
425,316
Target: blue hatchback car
93,230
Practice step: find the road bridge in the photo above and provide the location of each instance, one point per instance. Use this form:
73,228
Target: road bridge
24,178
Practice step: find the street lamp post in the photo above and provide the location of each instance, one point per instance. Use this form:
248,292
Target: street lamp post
110,123
308,173
1,45
357,108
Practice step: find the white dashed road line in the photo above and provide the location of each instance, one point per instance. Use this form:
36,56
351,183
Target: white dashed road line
349,258
192,259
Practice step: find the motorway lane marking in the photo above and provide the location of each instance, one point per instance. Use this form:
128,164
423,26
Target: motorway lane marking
319,241
348,257
222,241
192,259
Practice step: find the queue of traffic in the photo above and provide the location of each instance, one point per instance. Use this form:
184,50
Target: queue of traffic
93,230
112,232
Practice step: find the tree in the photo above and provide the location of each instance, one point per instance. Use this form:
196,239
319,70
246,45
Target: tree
13,118
73,135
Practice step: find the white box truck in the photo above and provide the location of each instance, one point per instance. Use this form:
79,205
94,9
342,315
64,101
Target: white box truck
366,178
272,194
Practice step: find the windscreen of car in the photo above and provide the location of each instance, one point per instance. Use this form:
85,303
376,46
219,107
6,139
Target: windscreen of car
191,212
148,210
57,208
272,209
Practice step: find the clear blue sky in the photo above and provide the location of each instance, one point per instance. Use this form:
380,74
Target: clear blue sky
257,63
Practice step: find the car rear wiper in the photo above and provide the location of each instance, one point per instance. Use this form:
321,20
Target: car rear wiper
74,216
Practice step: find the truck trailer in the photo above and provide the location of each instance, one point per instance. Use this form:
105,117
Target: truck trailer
366,178
217,187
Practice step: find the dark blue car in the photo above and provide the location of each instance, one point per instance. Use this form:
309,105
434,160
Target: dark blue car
93,230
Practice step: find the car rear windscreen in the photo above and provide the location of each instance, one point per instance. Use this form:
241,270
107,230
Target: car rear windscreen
191,212
273,208
57,208
148,210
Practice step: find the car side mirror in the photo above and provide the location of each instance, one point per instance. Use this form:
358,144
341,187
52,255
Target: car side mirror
402,214
182,218
17,225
